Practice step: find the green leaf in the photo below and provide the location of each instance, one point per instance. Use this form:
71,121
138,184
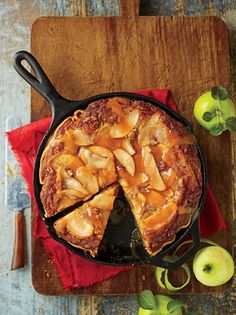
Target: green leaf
223,94
173,305
231,124
217,129
215,92
219,92
207,116
147,300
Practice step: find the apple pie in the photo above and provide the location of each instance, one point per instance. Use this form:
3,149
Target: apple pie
129,143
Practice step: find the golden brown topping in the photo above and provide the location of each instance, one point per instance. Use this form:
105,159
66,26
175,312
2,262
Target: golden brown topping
124,127
174,125
116,104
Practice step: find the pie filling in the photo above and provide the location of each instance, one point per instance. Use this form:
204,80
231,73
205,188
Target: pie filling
125,143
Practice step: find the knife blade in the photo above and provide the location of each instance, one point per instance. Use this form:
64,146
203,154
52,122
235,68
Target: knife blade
16,196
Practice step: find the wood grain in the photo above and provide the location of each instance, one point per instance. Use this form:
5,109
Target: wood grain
129,8
16,18
18,258
88,56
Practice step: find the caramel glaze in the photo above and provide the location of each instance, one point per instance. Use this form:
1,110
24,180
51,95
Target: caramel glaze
159,214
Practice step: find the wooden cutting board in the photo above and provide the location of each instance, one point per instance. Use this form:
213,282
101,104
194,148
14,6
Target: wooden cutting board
84,56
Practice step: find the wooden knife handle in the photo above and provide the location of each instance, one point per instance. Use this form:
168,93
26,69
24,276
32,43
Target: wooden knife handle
18,259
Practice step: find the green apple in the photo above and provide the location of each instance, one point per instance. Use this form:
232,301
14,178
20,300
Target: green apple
206,103
213,266
162,302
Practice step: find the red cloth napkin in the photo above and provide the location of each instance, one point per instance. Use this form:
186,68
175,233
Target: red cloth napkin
76,272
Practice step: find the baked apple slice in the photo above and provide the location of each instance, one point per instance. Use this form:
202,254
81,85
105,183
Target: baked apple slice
127,146
151,170
125,160
123,128
148,130
84,227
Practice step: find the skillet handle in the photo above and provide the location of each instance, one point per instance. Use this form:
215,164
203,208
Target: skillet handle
40,81
194,232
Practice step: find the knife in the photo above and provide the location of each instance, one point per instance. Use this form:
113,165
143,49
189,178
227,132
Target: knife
16,197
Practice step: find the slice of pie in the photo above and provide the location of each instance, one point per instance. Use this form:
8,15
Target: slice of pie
164,201
118,140
84,227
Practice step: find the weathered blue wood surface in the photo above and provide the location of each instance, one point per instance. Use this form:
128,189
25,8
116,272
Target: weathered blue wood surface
17,297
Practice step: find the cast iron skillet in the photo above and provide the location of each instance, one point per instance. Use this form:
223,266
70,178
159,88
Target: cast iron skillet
120,245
